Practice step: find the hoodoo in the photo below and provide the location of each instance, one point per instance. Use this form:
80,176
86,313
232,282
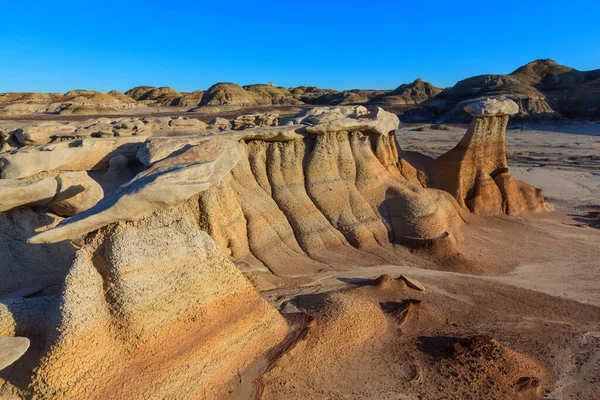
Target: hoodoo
476,171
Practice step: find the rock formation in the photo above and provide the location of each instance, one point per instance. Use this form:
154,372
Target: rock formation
154,303
66,195
76,192
154,310
166,183
280,204
77,155
227,94
476,172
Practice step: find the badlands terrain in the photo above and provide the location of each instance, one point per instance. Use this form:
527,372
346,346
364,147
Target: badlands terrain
303,243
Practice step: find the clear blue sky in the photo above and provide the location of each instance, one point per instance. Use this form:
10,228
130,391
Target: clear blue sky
188,45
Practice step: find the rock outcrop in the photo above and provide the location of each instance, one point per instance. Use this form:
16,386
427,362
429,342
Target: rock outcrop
154,310
15,193
296,196
154,303
76,155
76,192
66,195
476,172
166,183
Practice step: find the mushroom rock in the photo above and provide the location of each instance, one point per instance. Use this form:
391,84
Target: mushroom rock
476,172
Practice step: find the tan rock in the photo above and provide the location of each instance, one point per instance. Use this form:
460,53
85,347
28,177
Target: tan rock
336,112
42,133
188,123
76,155
117,174
413,283
11,349
159,148
220,123
15,193
492,107
169,317
382,123
77,192
476,171
165,184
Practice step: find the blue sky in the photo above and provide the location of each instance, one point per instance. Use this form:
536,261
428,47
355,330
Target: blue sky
188,45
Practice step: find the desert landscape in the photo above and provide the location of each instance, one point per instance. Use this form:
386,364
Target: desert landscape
264,242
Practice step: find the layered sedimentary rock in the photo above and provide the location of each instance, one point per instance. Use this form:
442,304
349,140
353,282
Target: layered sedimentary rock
154,303
476,172
297,195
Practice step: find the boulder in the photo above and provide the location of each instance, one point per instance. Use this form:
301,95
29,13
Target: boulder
383,123
335,112
255,120
492,107
77,192
75,155
220,123
42,133
15,193
11,349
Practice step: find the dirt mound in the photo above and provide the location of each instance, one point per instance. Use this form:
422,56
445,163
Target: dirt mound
480,367
367,342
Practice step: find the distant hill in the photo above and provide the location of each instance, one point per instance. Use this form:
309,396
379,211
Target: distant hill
543,89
